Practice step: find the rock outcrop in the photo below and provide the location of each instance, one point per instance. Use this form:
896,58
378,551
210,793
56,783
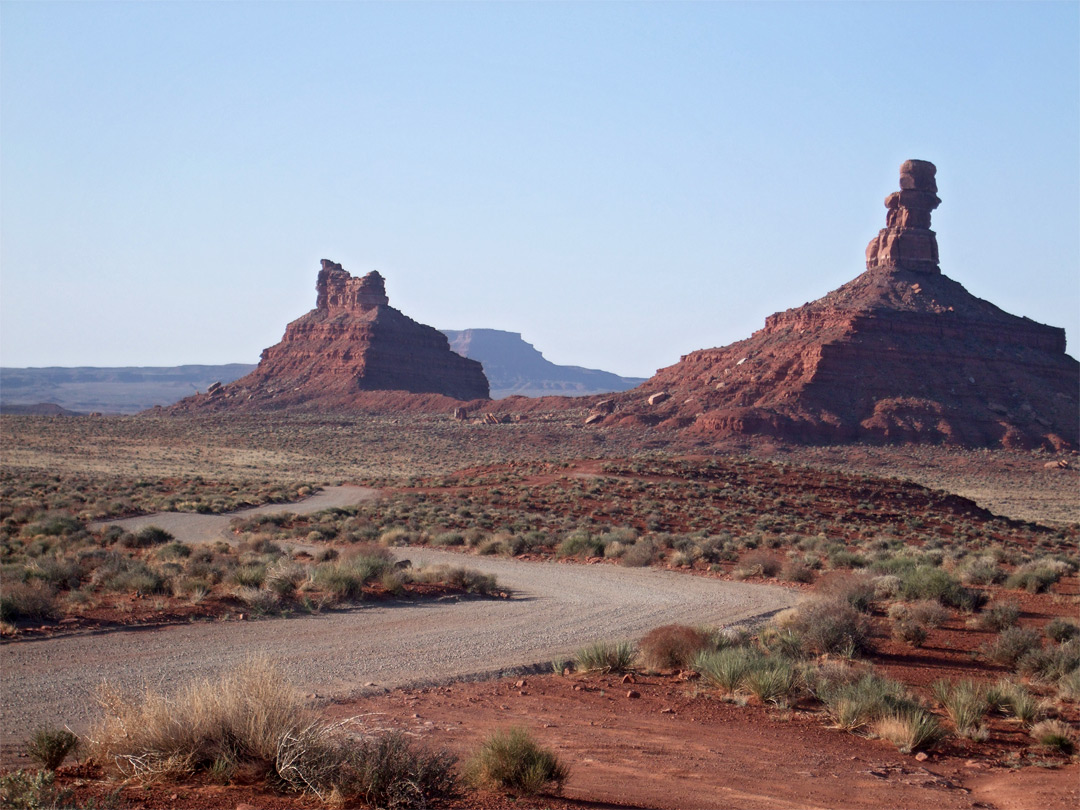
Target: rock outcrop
352,343
902,353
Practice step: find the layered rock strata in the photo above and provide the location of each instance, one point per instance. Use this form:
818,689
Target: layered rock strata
900,353
351,343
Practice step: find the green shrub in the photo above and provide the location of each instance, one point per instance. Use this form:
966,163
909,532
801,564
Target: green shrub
126,574
580,544
672,646
1033,578
50,747
468,580
512,760
757,564
1012,644
150,536
58,526
910,632
20,600
59,572
640,554
999,616
833,626
1050,663
390,771
605,657
1061,630
797,571
32,790
982,571
251,575
930,582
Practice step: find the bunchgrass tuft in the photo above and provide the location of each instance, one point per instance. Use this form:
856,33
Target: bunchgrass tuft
1054,734
512,760
605,657
967,704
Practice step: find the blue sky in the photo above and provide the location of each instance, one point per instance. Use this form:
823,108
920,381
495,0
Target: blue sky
621,182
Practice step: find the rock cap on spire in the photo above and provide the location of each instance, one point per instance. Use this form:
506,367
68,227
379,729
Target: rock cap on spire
906,241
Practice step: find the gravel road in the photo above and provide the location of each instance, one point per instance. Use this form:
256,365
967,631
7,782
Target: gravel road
555,609
189,527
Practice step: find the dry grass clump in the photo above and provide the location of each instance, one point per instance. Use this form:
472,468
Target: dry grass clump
238,718
1054,734
673,646
909,728
252,721
512,760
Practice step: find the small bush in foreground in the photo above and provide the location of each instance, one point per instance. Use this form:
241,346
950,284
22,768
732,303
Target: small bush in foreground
672,646
31,790
50,747
512,760
1054,734
606,657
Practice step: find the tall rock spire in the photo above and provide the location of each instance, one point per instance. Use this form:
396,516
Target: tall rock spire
906,241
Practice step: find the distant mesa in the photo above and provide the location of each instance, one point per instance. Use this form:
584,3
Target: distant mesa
902,353
515,368
353,343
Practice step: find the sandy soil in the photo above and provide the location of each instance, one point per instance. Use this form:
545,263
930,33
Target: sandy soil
677,746
556,609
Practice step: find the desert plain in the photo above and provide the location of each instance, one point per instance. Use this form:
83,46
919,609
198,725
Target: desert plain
542,558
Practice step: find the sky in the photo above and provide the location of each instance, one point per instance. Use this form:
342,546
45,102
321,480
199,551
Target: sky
622,183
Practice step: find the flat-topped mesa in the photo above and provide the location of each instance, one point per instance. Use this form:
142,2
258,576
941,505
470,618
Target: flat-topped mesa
906,241
337,291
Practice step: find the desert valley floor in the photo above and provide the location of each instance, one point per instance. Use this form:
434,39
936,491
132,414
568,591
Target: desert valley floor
530,543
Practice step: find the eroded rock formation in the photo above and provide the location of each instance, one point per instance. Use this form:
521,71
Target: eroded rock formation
900,353
351,343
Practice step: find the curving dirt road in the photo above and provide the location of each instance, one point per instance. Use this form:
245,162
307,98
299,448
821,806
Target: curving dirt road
190,527
556,608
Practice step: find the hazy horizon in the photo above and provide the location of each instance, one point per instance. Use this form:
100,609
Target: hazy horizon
620,183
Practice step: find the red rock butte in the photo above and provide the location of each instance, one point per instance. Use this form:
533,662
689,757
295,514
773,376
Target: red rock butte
353,343
902,353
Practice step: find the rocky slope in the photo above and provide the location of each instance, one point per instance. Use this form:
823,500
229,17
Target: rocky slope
352,343
901,353
515,368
